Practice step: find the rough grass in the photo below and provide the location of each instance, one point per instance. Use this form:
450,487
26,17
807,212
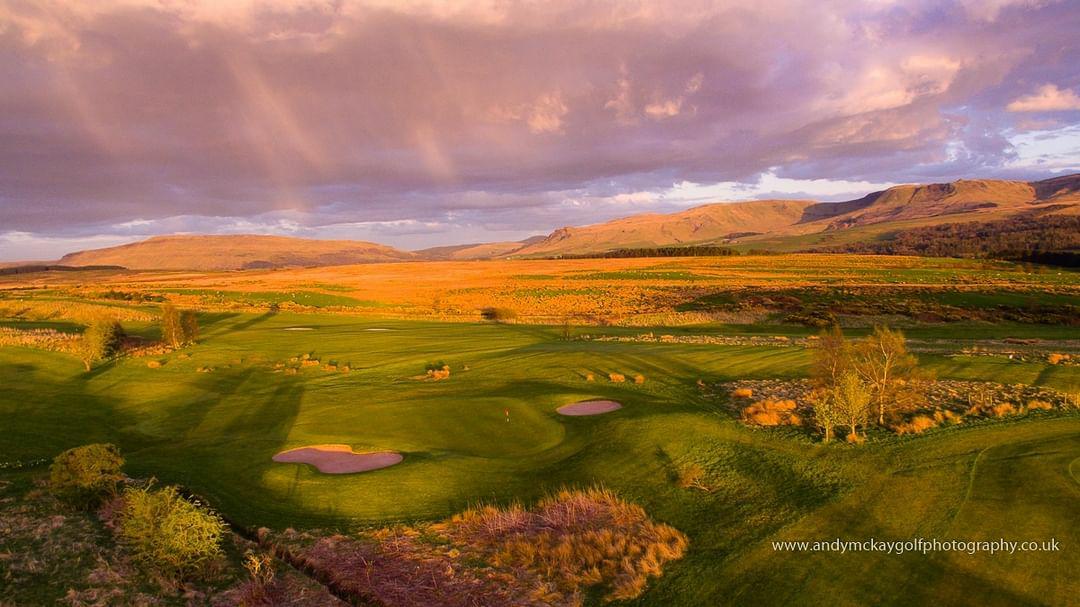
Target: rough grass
548,555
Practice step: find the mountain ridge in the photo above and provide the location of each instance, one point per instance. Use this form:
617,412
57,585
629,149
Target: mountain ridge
963,200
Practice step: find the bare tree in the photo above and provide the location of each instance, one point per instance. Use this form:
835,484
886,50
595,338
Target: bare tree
172,331
189,325
831,355
884,364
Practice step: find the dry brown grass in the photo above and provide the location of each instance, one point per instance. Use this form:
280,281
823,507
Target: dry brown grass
548,555
541,291
41,339
438,374
771,413
76,311
1039,405
576,539
945,416
743,393
1003,410
692,476
917,425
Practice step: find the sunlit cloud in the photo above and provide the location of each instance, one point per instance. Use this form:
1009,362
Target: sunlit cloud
1048,98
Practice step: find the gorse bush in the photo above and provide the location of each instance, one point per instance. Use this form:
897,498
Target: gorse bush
169,534
86,475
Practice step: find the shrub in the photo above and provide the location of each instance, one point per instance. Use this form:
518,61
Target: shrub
639,379
1056,358
617,378
942,416
743,393
1036,405
590,377
1003,410
169,534
153,364
86,475
260,568
917,425
692,476
498,314
440,372
576,539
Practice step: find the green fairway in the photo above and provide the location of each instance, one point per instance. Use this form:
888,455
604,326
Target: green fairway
215,433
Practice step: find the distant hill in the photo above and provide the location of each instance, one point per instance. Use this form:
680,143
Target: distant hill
235,253
768,220
484,250
778,225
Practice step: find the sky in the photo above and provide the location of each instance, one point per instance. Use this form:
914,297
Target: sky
420,123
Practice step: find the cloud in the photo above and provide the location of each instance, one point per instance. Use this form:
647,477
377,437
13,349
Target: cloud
668,108
546,115
342,112
1048,98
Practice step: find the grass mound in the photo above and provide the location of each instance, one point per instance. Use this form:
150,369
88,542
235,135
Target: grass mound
569,543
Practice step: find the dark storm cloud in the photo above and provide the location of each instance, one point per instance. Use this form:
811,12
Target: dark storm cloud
128,115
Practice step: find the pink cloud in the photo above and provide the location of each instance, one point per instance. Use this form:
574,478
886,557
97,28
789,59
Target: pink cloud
1047,98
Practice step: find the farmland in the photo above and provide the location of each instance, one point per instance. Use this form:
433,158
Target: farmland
210,416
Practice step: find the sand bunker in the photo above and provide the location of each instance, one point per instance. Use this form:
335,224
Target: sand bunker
589,407
299,329
339,459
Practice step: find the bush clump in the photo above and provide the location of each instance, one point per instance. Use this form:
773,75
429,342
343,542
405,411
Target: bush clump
917,425
87,475
498,314
743,393
1039,405
169,534
616,378
438,370
771,413
576,539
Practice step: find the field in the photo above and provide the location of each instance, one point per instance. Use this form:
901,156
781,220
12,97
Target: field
214,432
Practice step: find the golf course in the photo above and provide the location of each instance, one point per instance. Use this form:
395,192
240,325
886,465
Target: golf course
212,416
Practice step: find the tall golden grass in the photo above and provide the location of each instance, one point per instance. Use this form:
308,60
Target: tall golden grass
576,539
771,413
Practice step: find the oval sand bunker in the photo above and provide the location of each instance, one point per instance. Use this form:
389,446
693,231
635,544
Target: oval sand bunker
589,407
339,459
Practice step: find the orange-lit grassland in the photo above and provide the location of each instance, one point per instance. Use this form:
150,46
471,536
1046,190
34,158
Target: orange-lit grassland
624,291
